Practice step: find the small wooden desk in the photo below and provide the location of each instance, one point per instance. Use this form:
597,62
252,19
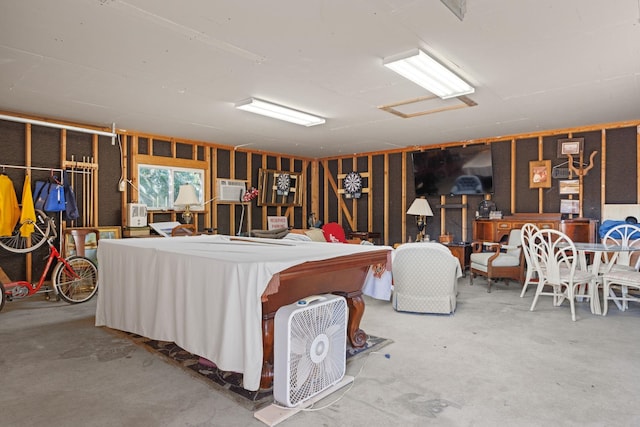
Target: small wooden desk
364,235
462,251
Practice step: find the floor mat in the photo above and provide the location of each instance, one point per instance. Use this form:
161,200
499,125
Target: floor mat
230,383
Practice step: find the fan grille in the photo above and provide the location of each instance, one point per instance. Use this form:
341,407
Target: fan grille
316,350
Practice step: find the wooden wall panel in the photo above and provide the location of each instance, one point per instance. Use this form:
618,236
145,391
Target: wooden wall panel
526,198
362,204
409,228
395,210
551,197
240,167
321,191
592,189
109,207
79,147
329,211
161,148
186,151
46,147
143,145
12,138
376,182
223,164
621,173
501,152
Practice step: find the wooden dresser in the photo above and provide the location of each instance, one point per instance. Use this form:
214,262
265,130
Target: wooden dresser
497,230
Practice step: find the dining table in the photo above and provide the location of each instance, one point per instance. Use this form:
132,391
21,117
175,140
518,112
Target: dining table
598,250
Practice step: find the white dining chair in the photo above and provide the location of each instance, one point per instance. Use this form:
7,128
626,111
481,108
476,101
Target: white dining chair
622,262
531,276
627,235
556,258
624,280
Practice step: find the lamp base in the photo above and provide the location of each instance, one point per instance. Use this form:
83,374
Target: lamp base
187,217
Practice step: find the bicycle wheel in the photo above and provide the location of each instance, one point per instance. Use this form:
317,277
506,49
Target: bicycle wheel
2,296
78,282
18,244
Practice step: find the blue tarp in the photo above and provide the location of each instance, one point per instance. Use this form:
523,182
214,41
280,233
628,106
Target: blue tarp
609,224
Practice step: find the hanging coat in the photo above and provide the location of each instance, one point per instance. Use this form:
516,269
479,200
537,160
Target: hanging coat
9,209
28,215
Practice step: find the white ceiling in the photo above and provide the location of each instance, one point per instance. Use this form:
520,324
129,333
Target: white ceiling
177,68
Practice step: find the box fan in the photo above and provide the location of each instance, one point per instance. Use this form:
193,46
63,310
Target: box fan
310,341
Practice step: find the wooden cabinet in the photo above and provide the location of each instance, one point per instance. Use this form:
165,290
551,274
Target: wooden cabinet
497,230
462,251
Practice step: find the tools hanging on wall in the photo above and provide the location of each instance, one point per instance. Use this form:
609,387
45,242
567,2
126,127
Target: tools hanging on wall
83,181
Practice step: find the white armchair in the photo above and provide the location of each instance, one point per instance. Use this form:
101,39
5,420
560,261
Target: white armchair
425,277
495,264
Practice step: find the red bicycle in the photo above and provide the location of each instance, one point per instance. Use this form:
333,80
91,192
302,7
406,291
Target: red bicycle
74,279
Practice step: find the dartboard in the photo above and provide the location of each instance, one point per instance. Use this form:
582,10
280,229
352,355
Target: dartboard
352,183
283,183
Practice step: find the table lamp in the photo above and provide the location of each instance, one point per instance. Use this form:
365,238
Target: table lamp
421,209
187,197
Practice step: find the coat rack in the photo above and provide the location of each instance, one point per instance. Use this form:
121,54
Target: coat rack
30,167
28,272
581,172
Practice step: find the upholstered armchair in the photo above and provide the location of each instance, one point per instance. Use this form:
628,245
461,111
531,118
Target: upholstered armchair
498,261
425,277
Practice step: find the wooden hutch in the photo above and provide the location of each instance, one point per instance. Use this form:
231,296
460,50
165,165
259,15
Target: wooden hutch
497,230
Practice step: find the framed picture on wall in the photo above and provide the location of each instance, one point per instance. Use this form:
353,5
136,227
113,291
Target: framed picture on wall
569,186
90,241
571,146
540,174
569,206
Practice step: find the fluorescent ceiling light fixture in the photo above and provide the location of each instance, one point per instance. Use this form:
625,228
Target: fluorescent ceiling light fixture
425,71
276,111
458,7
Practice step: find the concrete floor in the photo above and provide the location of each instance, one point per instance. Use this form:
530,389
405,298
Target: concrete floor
492,363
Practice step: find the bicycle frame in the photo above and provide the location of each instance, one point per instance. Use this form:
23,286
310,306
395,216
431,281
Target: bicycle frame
23,289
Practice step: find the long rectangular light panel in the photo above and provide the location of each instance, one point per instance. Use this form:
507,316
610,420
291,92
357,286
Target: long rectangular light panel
425,71
279,112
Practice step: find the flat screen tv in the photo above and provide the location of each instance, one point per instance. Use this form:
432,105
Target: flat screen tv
453,171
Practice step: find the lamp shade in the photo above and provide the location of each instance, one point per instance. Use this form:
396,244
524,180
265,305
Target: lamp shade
186,196
420,207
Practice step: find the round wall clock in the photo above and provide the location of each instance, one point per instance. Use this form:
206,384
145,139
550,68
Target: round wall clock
352,185
283,183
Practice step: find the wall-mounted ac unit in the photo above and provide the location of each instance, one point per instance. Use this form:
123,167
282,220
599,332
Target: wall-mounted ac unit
231,190
136,215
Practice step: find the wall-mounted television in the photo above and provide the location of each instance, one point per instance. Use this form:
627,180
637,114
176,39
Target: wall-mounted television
453,171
